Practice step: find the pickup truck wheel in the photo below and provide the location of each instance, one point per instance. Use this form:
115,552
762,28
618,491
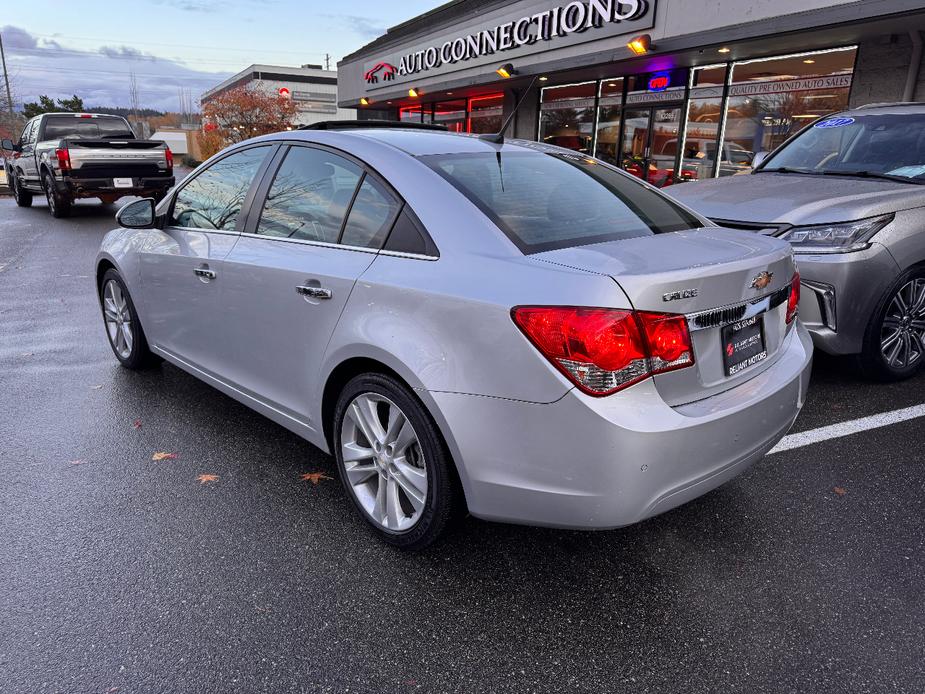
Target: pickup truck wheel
22,197
58,206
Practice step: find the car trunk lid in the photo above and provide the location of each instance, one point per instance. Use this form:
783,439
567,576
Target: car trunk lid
717,278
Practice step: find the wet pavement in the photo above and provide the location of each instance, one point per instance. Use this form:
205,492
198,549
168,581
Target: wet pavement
120,573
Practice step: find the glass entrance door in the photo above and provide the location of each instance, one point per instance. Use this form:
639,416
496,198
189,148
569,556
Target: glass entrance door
650,143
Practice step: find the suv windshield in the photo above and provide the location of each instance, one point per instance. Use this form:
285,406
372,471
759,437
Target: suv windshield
77,128
888,145
548,201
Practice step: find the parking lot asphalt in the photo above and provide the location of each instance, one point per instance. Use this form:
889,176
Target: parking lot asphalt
123,574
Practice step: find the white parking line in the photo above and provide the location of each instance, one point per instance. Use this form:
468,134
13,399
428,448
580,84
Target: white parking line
854,426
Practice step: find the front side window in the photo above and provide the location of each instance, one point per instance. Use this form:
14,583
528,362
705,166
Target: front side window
546,201
889,144
27,132
214,198
309,196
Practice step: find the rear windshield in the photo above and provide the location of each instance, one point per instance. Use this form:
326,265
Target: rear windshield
546,201
77,128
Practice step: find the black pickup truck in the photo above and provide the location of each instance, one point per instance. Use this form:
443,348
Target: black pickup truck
66,156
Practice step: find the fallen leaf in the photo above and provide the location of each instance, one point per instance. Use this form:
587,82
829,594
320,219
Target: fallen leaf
96,387
26,354
206,478
841,491
77,462
161,455
136,424
314,477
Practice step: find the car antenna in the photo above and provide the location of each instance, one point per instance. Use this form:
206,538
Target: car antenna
498,137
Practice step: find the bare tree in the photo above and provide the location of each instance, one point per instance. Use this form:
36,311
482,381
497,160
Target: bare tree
133,98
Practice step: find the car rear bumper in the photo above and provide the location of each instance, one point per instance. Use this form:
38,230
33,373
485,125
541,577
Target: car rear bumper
93,187
841,292
584,462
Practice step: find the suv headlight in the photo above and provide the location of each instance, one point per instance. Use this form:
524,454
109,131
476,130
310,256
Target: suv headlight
836,238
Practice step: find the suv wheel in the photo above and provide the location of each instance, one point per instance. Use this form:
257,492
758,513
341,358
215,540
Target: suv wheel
58,206
22,197
894,346
393,462
123,328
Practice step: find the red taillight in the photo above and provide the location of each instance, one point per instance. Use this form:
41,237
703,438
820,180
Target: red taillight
169,156
604,350
64,159
793,303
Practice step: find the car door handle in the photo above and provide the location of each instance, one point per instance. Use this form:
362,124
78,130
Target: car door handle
314,292
204,272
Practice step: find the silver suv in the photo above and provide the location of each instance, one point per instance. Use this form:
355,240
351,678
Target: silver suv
847,192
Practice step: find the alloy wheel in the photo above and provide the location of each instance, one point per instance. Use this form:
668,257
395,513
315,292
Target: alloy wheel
902,336
118,319
383,462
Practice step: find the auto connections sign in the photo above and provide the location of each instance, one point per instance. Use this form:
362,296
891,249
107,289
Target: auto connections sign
523,28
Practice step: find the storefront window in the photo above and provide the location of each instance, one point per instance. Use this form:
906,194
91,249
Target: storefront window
607,140
567,116
410,114
704,117
452,114
485,113
770,100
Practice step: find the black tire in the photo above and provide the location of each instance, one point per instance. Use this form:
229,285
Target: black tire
443,499
58,205
139,356
872,361
22,197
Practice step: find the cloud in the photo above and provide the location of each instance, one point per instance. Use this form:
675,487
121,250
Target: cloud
100,76
362,26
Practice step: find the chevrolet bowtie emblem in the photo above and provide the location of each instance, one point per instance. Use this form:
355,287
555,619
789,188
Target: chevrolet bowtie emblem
762,280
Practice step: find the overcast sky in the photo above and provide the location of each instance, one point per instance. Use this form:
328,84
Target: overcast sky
89,47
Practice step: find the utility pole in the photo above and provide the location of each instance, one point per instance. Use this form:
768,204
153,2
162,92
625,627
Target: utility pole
6,79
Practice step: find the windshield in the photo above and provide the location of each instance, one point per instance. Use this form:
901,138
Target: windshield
548,201
875,144
77,128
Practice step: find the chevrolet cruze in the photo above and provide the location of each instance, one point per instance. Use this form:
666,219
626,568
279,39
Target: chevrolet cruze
504,328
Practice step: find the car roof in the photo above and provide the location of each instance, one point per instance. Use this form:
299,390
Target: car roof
415,142
896,107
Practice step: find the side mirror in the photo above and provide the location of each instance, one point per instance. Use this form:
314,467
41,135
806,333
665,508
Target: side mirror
7,143
137,215
758,158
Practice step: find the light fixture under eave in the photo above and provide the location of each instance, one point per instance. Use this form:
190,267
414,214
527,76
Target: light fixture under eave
364,101
413,92
640,45
724,49
543,78
506,71
809,61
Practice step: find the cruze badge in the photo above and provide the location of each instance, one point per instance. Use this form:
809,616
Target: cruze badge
762,280
680,294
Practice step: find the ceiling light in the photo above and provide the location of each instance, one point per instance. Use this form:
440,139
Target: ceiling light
506,71
364,101
809,61
640,45
413,92
724,49
543,78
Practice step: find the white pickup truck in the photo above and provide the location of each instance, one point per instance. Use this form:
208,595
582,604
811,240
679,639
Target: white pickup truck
66,156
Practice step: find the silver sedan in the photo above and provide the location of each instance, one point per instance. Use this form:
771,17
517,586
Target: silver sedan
507,329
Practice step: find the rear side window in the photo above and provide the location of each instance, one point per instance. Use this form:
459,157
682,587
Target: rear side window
214,198
97,128
309,196
545,201
371,216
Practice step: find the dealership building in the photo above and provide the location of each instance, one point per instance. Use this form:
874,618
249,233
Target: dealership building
669,90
